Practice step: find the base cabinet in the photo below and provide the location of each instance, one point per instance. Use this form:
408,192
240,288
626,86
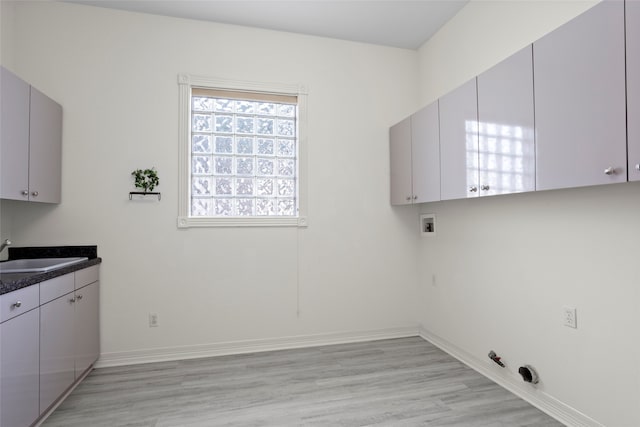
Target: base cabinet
49,338
69,332
86,327
57,359
19,370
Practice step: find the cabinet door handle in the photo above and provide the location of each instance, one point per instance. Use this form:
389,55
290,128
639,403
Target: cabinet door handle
25,192
16,304
473,188
610,171
79,297
72,300
415,197
34,193
408,198
484,187
638,167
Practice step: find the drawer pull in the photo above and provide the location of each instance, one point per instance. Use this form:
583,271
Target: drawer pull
16,304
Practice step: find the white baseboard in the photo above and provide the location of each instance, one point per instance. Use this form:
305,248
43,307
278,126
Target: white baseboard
541,400
250,346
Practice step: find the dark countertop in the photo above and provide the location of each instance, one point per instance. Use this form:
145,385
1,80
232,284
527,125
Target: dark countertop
10,282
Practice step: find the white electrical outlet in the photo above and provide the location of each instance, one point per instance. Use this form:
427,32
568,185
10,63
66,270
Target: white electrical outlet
569,316
153,320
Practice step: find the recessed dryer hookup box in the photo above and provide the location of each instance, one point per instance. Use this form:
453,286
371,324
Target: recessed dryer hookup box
428,224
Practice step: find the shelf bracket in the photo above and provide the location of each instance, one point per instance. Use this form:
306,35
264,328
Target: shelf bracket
145,193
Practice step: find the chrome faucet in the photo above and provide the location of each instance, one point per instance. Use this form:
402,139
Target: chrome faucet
4,244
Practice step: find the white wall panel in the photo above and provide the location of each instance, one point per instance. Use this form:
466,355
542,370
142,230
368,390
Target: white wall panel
115,74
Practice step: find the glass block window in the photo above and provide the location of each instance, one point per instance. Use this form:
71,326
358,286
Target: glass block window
244,154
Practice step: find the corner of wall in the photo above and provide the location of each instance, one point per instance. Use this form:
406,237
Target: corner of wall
506,379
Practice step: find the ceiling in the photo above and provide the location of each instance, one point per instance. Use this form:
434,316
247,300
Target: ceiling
398,23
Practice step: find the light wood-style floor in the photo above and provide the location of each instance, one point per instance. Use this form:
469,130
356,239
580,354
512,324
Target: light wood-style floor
399,382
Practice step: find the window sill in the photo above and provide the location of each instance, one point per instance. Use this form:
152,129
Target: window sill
193,222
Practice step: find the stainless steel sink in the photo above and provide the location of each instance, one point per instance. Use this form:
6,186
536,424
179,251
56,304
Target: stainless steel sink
37,265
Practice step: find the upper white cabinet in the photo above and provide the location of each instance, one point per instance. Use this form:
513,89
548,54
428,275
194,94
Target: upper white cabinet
459,143
415,158
579,74
633,88
14,136
486,132
45,148
425,154
30,142
400,154
506,126
562,113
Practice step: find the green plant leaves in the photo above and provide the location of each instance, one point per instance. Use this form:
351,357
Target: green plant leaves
146,179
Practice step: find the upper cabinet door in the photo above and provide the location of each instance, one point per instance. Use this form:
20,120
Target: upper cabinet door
579,72
46,149
633,88
400,153
425,157
14,136
506,126
459,143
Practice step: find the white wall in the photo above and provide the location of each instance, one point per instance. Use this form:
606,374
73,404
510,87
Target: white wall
6,33
6,57
505,266
115,73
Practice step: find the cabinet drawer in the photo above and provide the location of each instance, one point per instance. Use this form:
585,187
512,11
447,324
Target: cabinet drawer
54,288
86,276
18,302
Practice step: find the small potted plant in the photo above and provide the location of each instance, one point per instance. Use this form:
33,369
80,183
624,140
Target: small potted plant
146,179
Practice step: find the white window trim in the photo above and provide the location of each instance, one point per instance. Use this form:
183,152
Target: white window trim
186,82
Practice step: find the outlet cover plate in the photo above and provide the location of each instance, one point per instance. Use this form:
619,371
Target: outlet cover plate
569,317
153,320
